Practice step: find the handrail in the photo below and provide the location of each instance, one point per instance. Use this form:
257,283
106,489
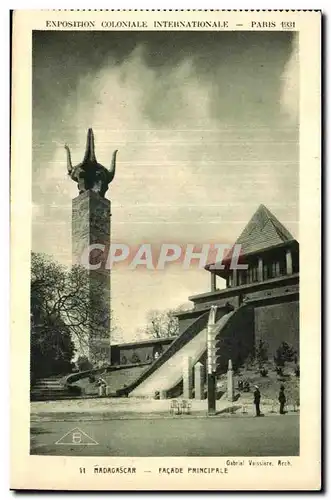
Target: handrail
74,377
192,331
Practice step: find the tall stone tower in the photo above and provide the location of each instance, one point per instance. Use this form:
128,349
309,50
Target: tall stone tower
91,213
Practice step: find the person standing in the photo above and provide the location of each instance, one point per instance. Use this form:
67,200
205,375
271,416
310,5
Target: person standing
257,399
282,400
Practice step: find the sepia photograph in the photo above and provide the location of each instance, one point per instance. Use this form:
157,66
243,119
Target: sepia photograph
194,149
163,271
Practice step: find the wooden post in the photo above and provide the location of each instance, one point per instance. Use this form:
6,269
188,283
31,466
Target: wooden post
260,270
212,282
234,277
289,264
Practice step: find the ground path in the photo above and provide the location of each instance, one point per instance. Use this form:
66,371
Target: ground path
117,407
273,435
142,427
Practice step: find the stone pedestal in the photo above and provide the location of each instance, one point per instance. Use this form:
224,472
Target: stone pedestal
230,385
91,226
199,382
102,390
187,378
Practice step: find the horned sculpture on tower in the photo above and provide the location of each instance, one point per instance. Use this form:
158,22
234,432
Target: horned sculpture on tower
89,174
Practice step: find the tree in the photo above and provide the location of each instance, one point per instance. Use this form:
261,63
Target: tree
285,353
65,302
84,364
51,348
261,354
162,324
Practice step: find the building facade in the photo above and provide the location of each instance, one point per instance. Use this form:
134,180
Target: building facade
267,291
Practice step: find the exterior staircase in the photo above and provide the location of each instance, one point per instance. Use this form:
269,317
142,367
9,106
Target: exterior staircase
47,389
166,373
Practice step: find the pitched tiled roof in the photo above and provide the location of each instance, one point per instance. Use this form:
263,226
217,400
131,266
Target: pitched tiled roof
263,231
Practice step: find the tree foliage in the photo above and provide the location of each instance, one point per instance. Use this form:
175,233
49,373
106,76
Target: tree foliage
51,349
65,305
161,324
285,353
261,353
84,364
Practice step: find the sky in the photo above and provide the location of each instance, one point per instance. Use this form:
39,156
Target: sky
206,124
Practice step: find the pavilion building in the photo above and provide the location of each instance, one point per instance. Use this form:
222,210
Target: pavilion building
269,289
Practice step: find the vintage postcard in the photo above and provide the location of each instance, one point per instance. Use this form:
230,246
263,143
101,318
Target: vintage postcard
166,250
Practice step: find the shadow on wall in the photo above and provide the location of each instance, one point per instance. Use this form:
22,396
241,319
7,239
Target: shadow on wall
236,341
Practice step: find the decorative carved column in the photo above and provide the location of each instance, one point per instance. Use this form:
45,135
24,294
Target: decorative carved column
211,361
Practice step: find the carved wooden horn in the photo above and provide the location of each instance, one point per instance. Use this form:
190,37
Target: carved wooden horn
69,163
113,166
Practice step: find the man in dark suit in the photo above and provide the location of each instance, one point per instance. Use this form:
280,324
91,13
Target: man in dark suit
257,399
282,400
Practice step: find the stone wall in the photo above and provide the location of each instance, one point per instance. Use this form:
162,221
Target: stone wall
274,323
277,323
185,321
236,339
140,352
133,355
